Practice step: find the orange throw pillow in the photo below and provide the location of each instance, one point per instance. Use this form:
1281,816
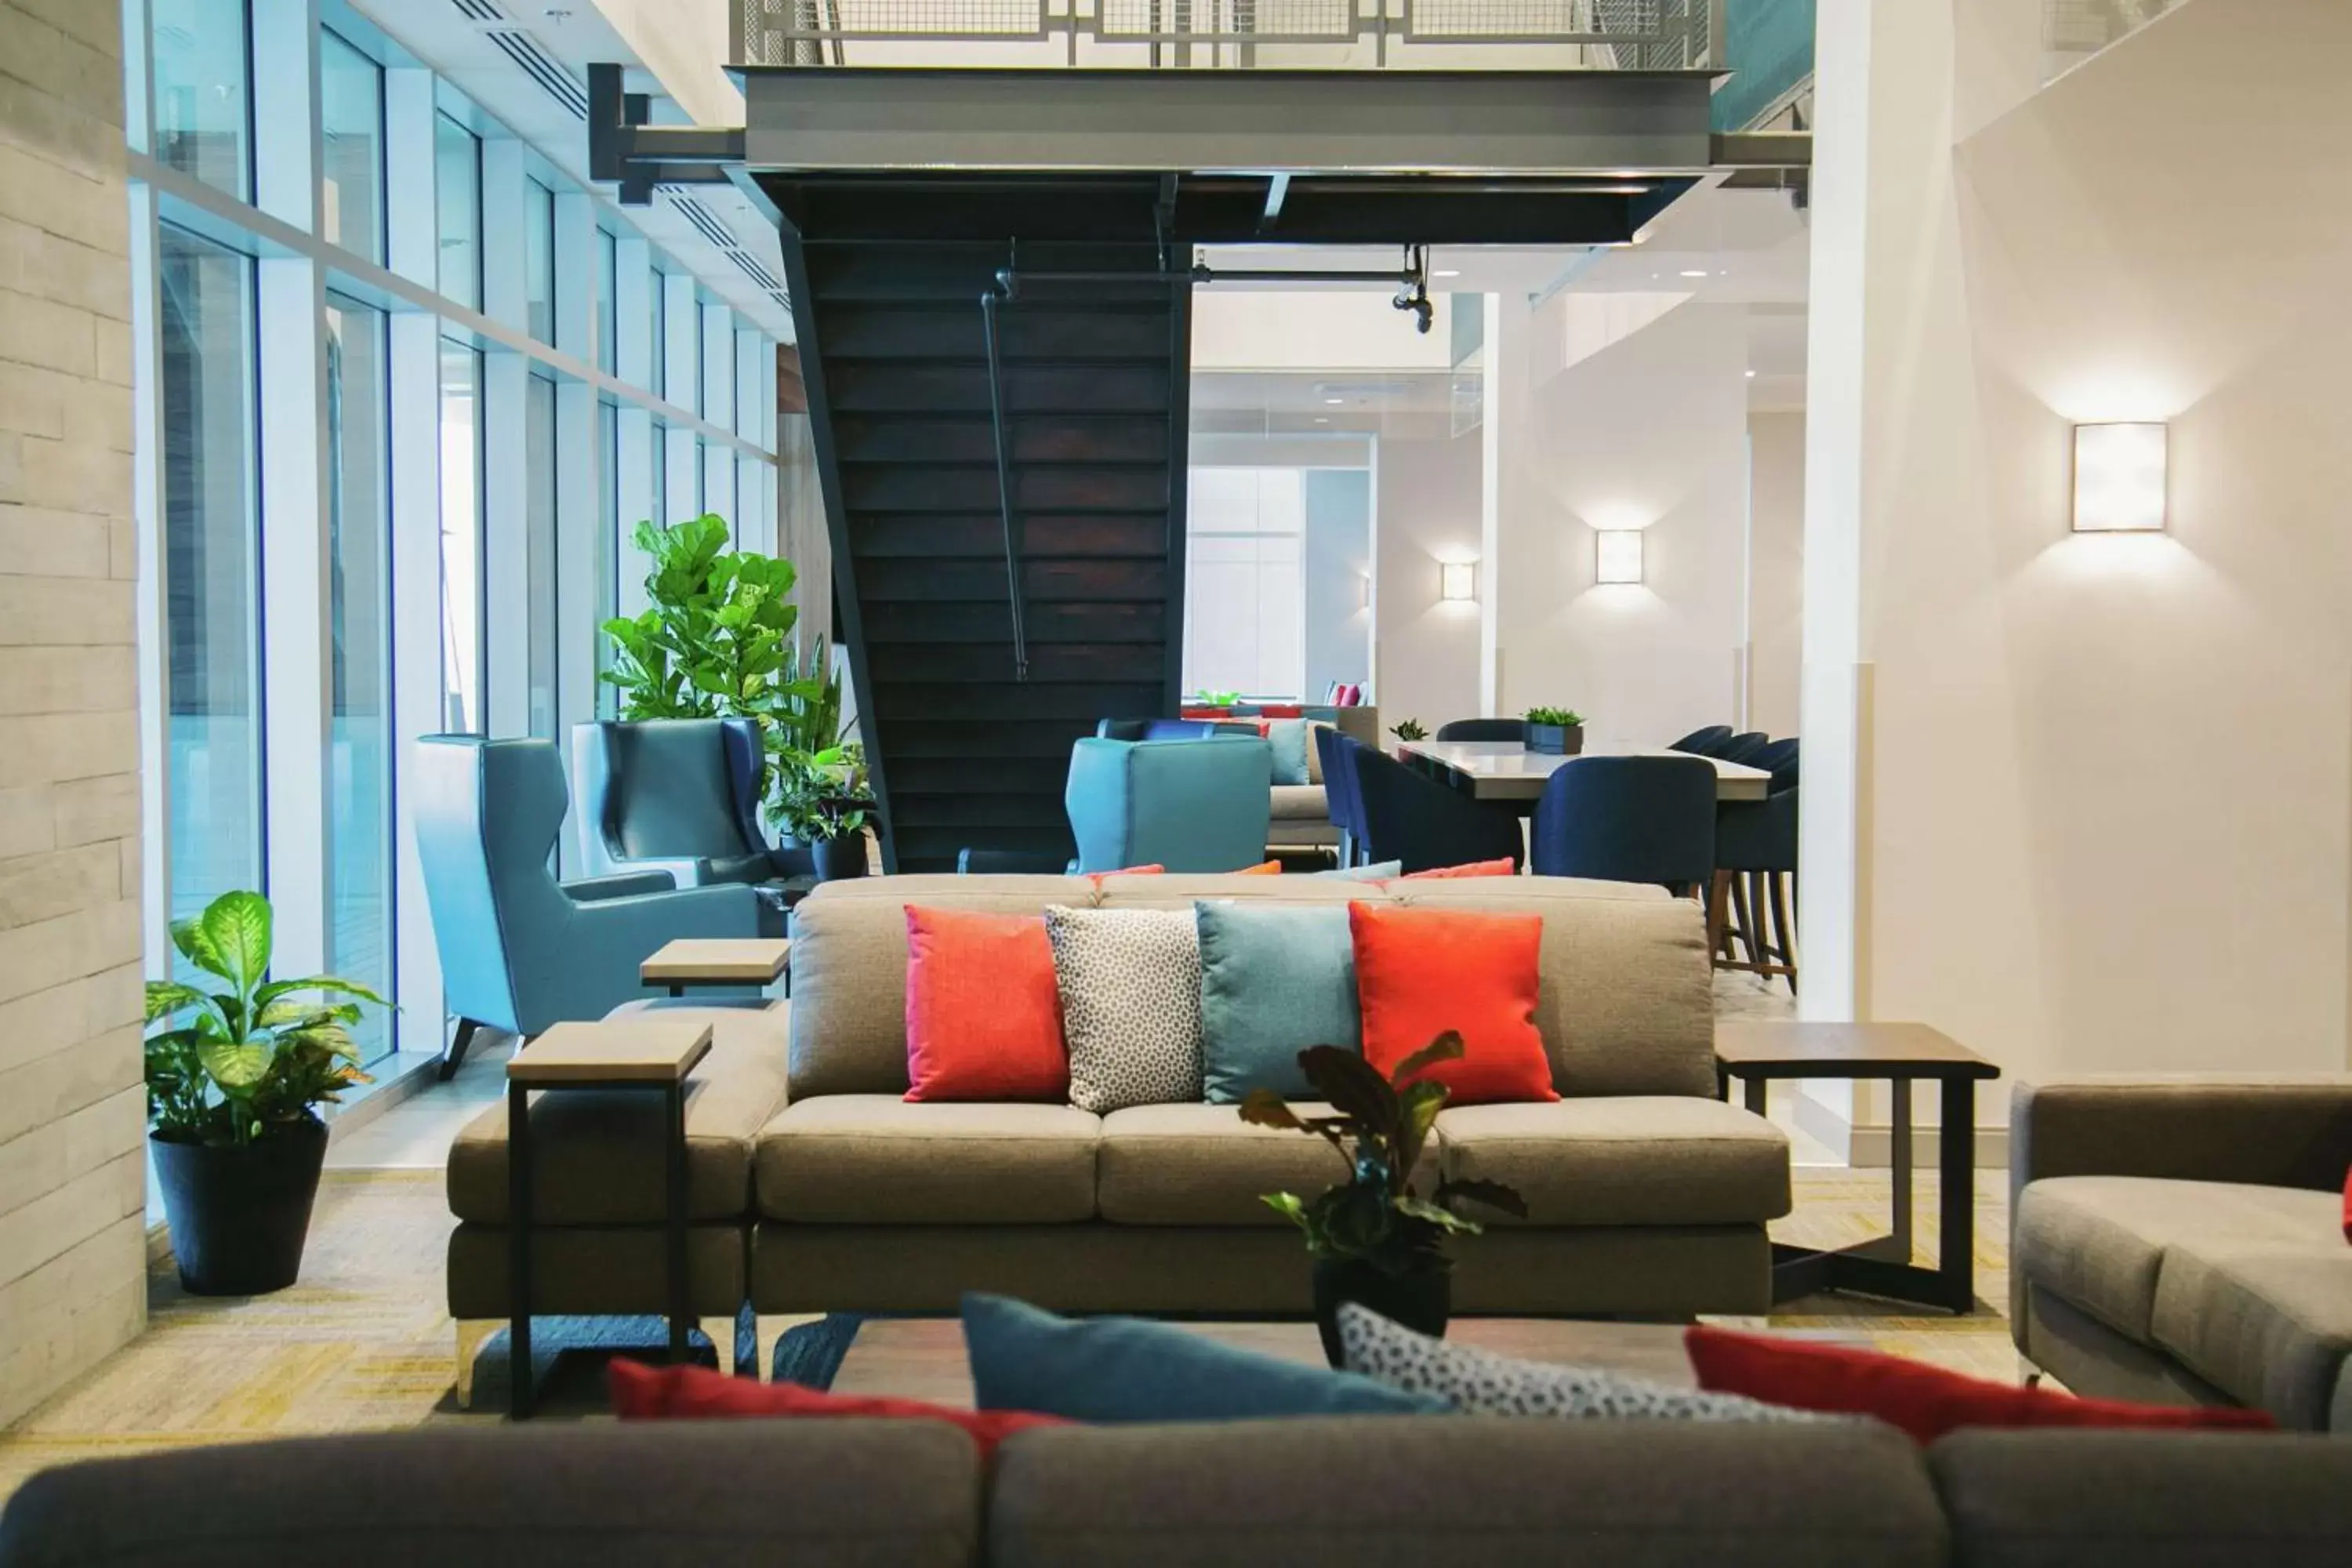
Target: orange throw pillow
984,1016
1501,868
1264,868
642,1393
1420,973
1153,870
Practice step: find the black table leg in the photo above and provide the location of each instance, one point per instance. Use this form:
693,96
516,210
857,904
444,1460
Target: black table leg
519,1216
1957,1244
677,990
681,1305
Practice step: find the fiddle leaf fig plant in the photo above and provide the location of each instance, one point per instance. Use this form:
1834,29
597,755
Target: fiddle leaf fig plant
1379,1127
239,1056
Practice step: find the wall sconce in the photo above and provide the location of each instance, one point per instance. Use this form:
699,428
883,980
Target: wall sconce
2119,478
1363,590
1457,580
1617,555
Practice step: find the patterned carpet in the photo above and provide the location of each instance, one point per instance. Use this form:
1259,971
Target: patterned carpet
362,1340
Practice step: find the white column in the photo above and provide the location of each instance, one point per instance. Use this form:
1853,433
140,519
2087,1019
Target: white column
636,353
579,541
411,214
147,511
289,154
682,340
415,357
1504,432
506,468
637,500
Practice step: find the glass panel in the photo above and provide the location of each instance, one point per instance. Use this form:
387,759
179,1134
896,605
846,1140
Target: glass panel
608,549
661,476
458,198
203,69
359,742
539,261
658,379
461,538
351,108
213,776
539,545
608,307
1245,598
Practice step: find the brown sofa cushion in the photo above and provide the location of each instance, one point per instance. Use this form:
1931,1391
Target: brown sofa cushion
2268,1324
1630,1160
1202,1164
2101,1242
874,1159
1297,803
602,1157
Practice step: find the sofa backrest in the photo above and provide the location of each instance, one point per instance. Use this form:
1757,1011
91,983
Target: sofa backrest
1626,1005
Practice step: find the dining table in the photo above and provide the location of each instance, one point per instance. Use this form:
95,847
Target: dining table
1507,773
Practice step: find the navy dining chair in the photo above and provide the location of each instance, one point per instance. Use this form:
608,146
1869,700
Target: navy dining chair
1629,819
1411,818
1740,748
1779,760
1340,800
1483,729
1703,743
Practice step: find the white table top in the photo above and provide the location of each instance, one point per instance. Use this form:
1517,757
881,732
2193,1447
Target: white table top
1506,770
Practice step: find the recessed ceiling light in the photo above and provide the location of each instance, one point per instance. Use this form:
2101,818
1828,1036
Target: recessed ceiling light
1694,272
1319,419
1448,272
1334,401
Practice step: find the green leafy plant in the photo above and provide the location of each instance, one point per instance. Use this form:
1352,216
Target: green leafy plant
715,641
1566,718
822,795
239,1056
1216,699
1379,1127
1409,730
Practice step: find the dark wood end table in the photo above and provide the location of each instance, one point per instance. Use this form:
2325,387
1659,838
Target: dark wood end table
640,1052
1756,1052
716,960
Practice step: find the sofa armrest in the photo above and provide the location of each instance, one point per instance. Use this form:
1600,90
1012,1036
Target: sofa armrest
620,885
2276,1131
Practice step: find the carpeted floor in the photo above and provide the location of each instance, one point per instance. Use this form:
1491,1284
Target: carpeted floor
362,1340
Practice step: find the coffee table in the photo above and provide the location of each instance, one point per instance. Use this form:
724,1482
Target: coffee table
641,1051
1756,1052
716,960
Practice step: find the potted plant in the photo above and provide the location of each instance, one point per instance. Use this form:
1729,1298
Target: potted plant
1409,730
235,1073
824,800
1557,731
1373,1238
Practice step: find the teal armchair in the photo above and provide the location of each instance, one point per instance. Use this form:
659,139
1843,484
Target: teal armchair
679,795
519,950
1190,805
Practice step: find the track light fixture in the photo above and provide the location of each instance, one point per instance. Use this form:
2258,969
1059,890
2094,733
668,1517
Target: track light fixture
1414,293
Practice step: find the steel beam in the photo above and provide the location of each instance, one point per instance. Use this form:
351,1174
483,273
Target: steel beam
812,120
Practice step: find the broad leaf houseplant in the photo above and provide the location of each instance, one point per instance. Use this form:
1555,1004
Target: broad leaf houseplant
237,1065
1373,1238
824,800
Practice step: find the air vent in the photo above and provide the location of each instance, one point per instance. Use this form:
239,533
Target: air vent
714,229
702,218
553,78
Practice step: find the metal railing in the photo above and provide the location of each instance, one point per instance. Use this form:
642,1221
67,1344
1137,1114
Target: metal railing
1656,35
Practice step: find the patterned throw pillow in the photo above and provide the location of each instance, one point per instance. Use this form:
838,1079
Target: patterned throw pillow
1130,986
1480,1383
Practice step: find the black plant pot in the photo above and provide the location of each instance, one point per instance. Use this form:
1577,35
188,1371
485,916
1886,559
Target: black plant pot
837,858
239,1215
1557,740
1422,1300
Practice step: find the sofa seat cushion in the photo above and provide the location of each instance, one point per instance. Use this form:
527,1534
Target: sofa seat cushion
876,1158
2268,1323
1202,1164
1299,803
2101,1242
1628,1159
602,1157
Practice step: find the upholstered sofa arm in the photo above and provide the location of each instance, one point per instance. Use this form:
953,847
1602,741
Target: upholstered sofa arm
2274,1131
621,885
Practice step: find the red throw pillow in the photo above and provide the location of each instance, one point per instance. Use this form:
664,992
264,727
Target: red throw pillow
1263,868
1152,870
1420,973
2347,1206
984,1016
642,1393
1501,868
1924,1401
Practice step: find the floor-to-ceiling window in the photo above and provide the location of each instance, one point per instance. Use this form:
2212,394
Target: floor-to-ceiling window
212,680
463,656
457,200
359,743
540,545
350,113
608,553
202,64
539,261
608,303
1245,601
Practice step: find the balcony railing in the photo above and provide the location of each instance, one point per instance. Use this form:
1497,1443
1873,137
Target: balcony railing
1622,34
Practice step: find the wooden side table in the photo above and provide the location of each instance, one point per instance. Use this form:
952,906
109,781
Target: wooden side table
1756,1052
645,1051
716,960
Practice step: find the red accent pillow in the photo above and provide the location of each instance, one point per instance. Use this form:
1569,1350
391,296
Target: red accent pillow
1281,710
2347,1206
1420,973
1153,870
642,1393
984,1016
1501,868
1263,868
1924,1401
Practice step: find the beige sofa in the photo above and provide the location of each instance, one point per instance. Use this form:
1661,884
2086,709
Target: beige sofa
2180,1240
1647,1195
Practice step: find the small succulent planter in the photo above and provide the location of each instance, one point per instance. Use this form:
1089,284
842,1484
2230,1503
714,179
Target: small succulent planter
1556,740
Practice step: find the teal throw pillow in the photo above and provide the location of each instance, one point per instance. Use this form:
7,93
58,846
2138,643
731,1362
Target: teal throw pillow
1274,979
1289,739
1378,872
1127,1369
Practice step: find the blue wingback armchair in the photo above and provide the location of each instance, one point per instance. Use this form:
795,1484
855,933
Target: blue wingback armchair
520,951
1190,805
679,795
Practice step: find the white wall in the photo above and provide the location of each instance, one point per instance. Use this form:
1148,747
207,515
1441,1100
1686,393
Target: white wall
1302,329
1776,570
1649,432
2099,784
1424,511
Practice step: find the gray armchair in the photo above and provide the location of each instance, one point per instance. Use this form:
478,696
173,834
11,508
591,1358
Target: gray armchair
520,951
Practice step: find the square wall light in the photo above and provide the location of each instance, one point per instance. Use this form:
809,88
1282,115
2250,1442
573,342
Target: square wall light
1457,580
2119,478
1617,555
